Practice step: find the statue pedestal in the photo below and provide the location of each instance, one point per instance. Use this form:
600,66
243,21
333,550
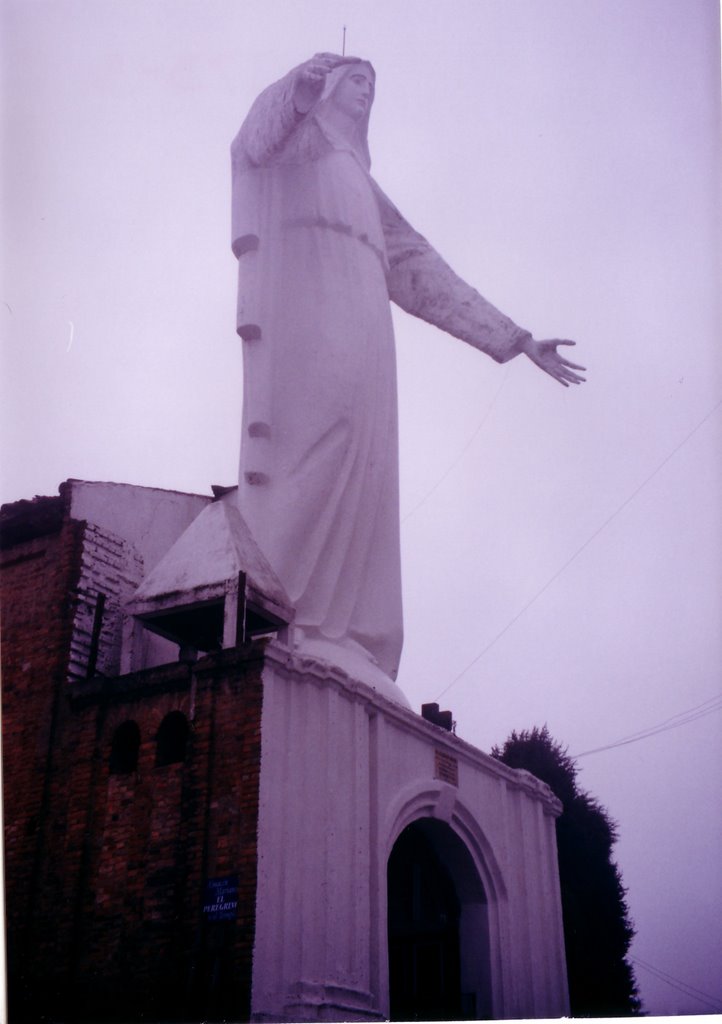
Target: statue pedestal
358,797
350,659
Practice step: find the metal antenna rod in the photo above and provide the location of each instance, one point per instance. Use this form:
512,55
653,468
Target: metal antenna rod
343,47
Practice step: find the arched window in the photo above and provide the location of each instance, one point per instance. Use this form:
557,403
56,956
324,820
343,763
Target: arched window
171,739
124,749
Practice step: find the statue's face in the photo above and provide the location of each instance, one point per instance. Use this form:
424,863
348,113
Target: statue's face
354,93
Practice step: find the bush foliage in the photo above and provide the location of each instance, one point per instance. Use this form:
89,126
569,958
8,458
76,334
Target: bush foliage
597,926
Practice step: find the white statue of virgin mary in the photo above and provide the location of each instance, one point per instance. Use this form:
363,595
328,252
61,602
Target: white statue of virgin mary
321,251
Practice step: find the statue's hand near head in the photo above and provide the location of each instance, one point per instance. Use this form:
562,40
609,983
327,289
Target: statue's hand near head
311,77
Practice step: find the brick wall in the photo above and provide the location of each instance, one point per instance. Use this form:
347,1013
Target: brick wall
106,871
39,566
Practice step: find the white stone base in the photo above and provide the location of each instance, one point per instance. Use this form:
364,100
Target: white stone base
344,770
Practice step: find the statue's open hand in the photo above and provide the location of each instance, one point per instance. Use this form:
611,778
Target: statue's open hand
546,357
311,77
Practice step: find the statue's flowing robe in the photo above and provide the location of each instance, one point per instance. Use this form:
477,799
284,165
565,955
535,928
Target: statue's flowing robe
321,250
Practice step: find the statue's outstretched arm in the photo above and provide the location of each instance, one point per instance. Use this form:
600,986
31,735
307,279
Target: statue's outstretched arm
423,284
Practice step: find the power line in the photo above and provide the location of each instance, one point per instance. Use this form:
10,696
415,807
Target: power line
710,700
672,721
683,718
682,986
463,451
582,547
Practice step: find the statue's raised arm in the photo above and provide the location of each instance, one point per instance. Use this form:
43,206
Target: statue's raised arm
281,106
321,251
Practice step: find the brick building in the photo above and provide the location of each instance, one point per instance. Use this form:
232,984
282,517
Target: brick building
123,797
201,824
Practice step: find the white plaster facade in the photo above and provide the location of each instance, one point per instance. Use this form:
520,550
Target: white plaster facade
149,518
128,531
343,772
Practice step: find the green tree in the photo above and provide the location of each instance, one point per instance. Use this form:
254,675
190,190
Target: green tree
597,926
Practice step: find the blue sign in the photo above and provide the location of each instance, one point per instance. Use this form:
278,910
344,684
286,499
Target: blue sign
220,898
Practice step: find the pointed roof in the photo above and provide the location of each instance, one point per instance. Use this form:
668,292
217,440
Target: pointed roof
210,553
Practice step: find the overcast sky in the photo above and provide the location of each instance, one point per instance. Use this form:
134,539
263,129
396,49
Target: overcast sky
562,549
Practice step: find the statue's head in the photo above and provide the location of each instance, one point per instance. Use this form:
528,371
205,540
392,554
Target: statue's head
351,90
346,100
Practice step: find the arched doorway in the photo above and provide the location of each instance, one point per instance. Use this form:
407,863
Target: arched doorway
437,927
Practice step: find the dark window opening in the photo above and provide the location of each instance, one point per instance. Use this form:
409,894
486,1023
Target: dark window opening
172,739
124,749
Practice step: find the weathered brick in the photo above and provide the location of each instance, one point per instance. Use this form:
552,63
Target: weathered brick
105,873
